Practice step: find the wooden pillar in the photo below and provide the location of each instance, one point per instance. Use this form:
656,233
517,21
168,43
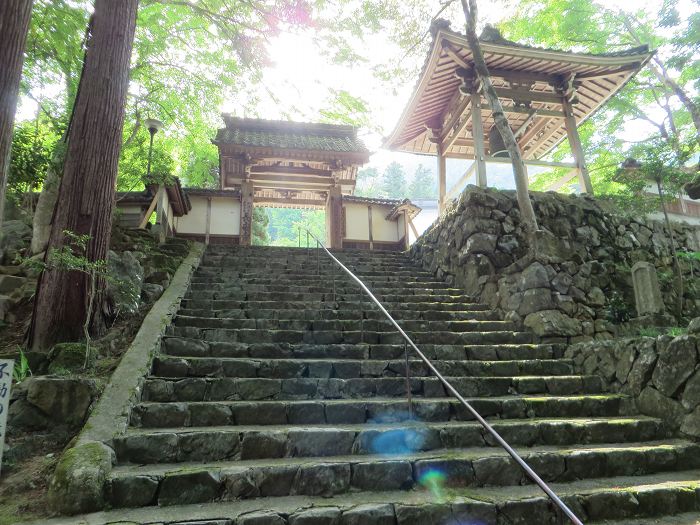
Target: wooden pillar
442,178
161,214
405,230
369,227
208,225
334,217
576,147
247,193
478,136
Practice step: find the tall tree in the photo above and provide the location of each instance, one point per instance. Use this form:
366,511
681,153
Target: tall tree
516,157
394,181
423,184
87,189
14,24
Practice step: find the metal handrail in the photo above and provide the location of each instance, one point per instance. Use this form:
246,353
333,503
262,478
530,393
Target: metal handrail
502,442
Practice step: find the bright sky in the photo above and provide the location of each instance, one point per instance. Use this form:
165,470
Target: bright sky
302,78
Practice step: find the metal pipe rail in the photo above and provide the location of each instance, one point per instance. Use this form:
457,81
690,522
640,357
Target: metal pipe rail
502,442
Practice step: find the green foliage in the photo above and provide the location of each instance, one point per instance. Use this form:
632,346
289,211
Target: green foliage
288,226
260,223
33,144
649,332
676,331
617,310
422,185
648,100
394,182
21,370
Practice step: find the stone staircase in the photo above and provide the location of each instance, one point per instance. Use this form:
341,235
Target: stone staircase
279,397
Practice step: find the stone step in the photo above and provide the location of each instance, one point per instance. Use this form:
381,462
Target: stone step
256,389
687,518
326,287
629,500
170,366
325,274
426,281
358,411
345,314
348,337
341,325
196,347
366,305
266,266
340,475
240,443
329,296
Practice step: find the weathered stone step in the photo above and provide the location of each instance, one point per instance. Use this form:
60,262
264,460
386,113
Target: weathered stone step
196,347
343,325
170,366
255,389
348,337
221,276
325,287
265,265
633,500
296,274
329,296
339,475
337,411
366,304
169,445
344,314
687,518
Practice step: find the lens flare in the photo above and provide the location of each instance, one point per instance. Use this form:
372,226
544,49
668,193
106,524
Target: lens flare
434,481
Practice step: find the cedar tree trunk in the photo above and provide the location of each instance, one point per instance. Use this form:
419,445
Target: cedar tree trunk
14,24
87,188
527,212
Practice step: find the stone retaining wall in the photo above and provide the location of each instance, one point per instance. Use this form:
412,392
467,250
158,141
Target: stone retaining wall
558,282
661,373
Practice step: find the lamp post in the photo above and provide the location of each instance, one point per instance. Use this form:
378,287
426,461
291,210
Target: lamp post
154,126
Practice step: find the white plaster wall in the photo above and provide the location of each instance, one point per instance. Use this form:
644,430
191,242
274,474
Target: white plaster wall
356,221
382,229
225,216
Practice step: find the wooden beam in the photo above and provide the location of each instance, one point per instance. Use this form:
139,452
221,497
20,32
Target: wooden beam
405,230
524,76
530,162
413,226
149,211
540,112
528,96
455,57
281,200
464,142
462,180
478,136
561,182
334,217
523,127
291,170
619,71
369,226
577,148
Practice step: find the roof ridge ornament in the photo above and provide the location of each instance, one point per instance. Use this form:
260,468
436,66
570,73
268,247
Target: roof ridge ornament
437,24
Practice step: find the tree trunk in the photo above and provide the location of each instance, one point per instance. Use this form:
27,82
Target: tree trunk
41,223
87,189
14,24
527,213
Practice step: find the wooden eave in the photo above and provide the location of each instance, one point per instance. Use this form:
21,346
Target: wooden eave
597,77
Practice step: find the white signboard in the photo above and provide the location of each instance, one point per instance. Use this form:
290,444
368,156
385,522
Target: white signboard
6,366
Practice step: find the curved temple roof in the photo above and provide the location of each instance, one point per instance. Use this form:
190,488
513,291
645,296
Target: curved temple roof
526,79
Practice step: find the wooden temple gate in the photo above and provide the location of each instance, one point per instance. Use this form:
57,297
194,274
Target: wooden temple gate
289,164
545,94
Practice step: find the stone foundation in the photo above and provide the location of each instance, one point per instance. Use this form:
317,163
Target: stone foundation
662,374
570,281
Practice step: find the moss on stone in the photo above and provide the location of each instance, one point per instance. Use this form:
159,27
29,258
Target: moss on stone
78,481
70,357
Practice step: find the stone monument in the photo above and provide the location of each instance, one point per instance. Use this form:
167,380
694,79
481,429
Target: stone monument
647,294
